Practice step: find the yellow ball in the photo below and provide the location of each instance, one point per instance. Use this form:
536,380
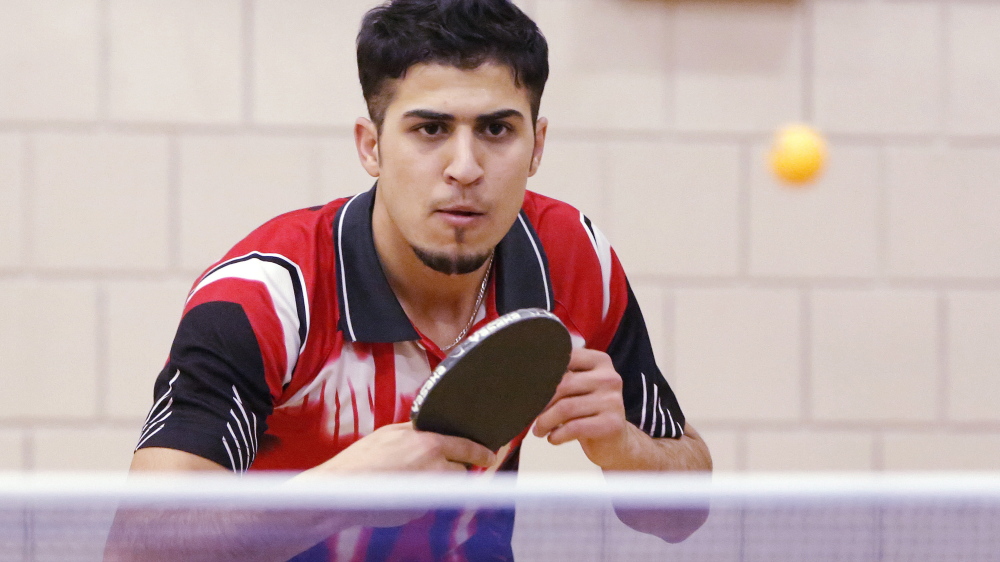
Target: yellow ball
798,154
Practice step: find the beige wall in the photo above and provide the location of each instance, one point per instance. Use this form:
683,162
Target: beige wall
853,324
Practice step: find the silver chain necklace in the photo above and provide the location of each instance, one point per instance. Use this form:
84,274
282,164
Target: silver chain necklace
475,309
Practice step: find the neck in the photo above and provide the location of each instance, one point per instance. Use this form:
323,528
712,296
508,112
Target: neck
439,305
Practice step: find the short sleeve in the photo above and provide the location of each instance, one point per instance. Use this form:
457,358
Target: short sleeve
211,399
650,403
234,352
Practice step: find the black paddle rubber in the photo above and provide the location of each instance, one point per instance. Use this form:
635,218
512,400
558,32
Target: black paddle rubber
495,383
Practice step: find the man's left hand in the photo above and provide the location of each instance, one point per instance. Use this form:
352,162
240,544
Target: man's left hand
588,407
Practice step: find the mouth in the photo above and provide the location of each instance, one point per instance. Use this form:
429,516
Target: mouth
463,210
460,215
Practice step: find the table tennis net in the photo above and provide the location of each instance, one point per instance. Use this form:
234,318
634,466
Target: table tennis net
772,518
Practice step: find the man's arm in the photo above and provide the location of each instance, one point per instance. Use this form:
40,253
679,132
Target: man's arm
687,453
204,534
155,534
160,459
588,407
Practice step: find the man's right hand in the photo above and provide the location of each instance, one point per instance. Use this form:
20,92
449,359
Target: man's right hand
397,448
400,447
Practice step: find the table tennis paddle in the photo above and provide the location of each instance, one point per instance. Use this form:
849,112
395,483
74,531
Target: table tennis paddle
494,384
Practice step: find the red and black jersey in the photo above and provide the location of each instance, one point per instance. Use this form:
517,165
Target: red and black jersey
293,347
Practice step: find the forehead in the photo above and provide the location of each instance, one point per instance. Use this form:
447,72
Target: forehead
458,91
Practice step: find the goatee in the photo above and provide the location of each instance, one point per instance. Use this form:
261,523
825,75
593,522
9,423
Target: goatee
450,264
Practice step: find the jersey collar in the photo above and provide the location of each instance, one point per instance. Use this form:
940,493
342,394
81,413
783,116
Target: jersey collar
369,310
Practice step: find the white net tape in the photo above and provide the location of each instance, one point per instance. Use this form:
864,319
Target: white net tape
787,517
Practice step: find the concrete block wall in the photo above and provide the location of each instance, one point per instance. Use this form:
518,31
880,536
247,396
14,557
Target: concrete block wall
850,325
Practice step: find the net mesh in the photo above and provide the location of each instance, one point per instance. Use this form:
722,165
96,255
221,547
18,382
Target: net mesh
753,518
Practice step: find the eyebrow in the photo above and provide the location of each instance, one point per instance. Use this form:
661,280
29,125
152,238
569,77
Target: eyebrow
447,117
498,115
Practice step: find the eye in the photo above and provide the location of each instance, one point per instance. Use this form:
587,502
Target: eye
432,129
497,129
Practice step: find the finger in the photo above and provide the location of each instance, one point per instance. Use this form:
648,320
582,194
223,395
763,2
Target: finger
466,452
567,432
451,466
584,382
589,372
575,380
565,410
606,402
556,395
592,427
583,359
607,384
573,383
541,427
544,425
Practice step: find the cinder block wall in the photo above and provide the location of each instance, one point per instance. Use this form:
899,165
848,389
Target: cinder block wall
853,324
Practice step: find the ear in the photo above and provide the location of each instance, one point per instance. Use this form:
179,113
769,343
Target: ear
366,140
541,127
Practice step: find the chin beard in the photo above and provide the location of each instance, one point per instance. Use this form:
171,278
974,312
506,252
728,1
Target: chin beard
449,264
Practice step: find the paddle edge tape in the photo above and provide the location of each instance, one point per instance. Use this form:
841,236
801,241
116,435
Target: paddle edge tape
473,340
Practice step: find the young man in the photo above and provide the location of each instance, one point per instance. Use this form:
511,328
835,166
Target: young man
303,348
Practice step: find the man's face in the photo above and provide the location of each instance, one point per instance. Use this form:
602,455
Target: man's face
453,159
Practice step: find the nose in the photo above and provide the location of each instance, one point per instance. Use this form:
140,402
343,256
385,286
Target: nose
464,167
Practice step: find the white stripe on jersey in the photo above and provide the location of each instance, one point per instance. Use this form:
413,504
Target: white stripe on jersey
645,400
541,263
158,414
348,542
603,250
232,462
463,527
673,425
250,431
333,386
663,420
147,436
170,388
343,273
657,429
412,369
280,287
656,408
357,378
246,441
239,450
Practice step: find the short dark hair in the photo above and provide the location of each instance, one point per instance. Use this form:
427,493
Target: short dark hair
460,33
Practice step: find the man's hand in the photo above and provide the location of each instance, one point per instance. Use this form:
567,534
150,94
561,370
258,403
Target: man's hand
400,447
396,448
588,407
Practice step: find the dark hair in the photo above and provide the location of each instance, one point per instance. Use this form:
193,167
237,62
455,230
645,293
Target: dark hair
460,33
